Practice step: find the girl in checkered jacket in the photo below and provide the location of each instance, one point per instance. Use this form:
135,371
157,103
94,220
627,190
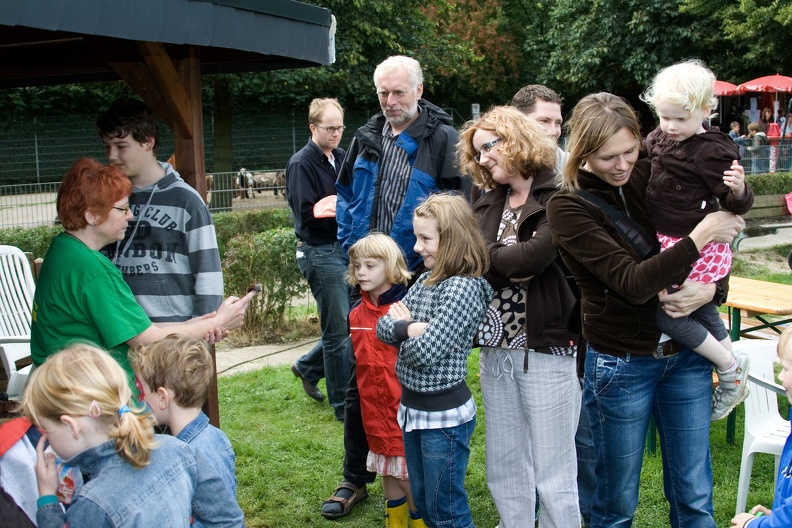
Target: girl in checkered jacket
433,328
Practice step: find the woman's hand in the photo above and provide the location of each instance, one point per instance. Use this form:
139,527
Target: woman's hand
719,226
46,469
231,313
734,179
690,297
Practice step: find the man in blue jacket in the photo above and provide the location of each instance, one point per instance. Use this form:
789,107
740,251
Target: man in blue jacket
310,183
394,161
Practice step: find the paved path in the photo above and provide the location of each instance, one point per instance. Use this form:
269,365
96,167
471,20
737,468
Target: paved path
237,360
784,236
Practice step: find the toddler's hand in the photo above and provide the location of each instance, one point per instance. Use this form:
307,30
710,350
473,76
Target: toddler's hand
734,179
760,508
740,519
46,469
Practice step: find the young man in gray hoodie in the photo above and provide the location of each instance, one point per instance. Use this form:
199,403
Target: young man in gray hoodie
169,256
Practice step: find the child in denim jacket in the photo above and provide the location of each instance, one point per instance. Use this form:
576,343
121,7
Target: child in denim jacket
80,399
173,377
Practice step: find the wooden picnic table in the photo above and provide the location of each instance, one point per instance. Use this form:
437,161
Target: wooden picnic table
755,299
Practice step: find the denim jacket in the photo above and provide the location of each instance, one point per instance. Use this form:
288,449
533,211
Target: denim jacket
215,446
167,492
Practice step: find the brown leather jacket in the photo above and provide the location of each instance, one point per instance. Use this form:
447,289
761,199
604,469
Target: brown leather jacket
532,261
687,180
618,289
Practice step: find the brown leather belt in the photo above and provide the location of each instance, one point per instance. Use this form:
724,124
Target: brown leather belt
667,349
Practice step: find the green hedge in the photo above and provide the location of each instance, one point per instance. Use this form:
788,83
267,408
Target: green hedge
772,183
228,225
35,240
268,258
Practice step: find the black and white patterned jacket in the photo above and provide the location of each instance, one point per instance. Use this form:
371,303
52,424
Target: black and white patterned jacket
437,359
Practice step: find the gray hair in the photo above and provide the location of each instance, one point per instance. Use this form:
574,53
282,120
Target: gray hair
395,62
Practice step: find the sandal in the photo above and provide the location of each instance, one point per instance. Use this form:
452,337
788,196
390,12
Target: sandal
330,507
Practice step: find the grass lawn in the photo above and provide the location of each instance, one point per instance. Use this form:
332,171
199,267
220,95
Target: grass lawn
290,452
290,449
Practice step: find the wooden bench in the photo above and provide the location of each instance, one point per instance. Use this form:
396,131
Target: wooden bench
768,215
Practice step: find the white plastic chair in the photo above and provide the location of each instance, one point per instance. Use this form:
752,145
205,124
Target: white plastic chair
16,303
765,430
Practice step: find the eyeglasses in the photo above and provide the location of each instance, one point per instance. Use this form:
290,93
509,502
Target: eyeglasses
485,148
398,94
126,208
331,129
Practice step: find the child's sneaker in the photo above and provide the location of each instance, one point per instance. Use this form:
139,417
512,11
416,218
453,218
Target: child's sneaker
732,389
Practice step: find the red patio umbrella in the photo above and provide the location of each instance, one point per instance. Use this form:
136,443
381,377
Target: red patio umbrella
725,88
770,83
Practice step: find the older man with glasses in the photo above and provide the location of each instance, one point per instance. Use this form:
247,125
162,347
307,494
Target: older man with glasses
310,184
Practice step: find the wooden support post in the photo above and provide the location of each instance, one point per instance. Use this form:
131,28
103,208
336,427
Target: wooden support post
189,147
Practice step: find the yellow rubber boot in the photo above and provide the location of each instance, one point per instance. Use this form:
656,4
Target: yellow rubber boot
396,516
417,523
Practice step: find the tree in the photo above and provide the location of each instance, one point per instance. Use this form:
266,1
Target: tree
751,37
613,45
488,52
368,31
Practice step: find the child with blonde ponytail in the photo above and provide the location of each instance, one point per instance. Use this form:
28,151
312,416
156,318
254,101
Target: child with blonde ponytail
80,399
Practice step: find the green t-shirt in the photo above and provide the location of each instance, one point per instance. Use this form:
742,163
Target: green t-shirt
82,297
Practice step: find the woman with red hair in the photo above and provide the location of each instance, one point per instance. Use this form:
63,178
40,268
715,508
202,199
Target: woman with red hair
82,297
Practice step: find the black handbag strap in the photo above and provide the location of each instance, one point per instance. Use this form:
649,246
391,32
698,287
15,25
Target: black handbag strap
647,246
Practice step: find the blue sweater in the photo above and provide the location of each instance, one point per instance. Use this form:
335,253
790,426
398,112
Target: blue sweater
782,502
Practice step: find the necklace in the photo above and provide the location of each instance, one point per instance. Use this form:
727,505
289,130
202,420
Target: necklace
75,237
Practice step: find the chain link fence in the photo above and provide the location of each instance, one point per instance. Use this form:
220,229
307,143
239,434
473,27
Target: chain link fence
36,152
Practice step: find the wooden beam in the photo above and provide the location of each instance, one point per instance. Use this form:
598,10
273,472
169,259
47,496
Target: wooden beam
124,57
170,85
190,164
189,147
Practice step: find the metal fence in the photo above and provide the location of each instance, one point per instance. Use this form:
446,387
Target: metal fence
36,152
767,158
41,149
32,204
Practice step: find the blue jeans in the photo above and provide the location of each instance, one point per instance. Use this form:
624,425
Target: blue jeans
619,395
325,267
586,462
437,460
